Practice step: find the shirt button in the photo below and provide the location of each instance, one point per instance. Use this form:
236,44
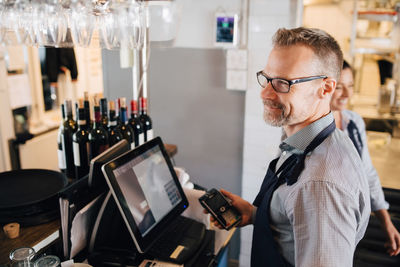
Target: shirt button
284,153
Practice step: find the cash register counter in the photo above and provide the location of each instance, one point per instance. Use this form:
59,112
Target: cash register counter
47,238
42,237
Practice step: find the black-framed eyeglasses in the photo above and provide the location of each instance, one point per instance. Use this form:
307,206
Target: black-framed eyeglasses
282,85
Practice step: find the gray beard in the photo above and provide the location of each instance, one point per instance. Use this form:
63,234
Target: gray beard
277,121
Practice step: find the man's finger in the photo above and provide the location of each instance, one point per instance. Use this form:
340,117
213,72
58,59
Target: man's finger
227,193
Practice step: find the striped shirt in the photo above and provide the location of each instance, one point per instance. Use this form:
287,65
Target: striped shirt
319,220
376,193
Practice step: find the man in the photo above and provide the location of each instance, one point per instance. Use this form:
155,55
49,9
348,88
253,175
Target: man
313,206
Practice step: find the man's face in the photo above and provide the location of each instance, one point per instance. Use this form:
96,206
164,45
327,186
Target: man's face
299,104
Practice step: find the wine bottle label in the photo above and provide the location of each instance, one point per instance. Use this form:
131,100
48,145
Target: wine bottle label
141,139
112,123
132,145
82,122
150,134
61,159
77,157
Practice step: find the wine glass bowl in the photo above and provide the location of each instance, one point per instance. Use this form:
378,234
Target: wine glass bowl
120,23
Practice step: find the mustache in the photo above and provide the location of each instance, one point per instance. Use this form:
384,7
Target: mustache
273,104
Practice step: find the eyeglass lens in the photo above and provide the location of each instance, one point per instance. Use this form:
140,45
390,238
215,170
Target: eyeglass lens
277,84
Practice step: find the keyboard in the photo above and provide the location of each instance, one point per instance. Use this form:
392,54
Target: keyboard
180,241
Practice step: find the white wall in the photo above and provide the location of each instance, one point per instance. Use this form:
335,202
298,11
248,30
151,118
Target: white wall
196,28
260,140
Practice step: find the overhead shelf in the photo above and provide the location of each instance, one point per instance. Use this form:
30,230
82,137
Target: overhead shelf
378,15
375,46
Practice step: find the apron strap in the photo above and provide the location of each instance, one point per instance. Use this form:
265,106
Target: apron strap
355,136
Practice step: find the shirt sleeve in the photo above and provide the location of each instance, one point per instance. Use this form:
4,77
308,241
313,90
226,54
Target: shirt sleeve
376,193
325,220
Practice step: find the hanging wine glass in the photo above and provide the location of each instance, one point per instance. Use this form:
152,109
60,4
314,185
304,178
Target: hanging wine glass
26,23
56,23
107,22
40,24
109,31
131,24
11,15
82,23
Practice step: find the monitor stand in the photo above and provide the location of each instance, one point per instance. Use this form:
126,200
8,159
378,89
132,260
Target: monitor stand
110,241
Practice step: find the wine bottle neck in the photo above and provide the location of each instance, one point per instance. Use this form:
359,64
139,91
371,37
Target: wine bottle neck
134,109
81,118
103,107
62,112
122,115
97,115
143,105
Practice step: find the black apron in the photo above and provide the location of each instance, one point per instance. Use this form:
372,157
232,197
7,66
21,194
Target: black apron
355,136
264,250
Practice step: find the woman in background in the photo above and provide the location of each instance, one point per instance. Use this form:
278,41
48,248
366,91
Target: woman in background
352,123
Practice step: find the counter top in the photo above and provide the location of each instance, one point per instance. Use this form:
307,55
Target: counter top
385,156
37,237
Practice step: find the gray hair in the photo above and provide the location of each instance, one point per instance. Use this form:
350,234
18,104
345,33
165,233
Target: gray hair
325,47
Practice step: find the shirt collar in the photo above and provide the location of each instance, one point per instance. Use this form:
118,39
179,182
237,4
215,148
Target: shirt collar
298,142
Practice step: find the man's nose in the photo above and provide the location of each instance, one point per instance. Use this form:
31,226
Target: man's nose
267,91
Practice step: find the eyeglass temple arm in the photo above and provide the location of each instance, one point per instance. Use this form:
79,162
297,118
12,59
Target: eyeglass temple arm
307,79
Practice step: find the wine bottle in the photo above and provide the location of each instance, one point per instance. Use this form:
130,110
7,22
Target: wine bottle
76,112
69,127
135,124
145,120
103,111
80,141
86,107
125,128
117,111
114,133
60,151
98,136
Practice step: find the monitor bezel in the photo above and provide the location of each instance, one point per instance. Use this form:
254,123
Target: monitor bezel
142,243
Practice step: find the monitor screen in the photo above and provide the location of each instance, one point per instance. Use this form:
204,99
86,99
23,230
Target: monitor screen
148,187
226,30
146,190
225,27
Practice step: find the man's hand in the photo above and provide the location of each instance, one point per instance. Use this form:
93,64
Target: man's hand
244,208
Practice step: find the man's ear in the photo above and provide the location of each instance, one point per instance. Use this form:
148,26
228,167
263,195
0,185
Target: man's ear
327,88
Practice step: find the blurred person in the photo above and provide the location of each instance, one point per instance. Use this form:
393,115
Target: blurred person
353,125
313,205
